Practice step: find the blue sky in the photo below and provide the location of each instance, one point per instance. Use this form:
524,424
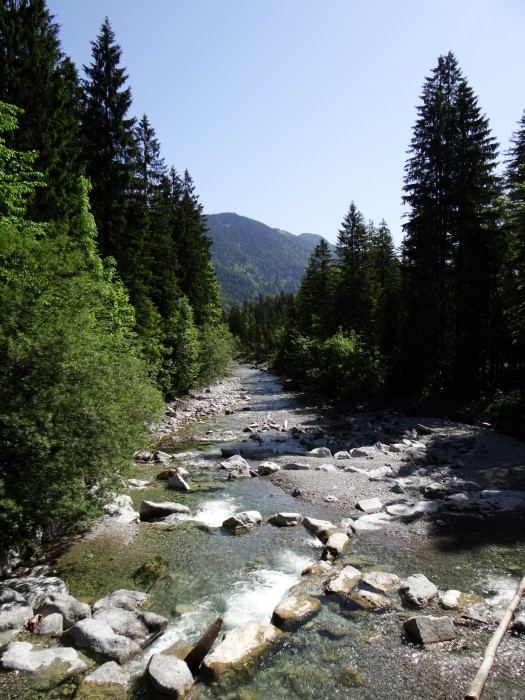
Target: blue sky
285,111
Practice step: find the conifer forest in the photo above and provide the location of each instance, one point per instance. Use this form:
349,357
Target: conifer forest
109,303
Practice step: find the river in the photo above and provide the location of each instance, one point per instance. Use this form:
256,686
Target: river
345,651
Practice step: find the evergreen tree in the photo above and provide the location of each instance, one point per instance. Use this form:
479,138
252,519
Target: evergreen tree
35,76
314,298
353,302
109,147
448,250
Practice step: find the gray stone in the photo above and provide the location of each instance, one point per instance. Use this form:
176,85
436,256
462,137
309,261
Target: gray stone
160,456
15,614
51,624
369,505
370,599
322,528
382,581
371,522
295,609
36,588
229,451
169,675
296,466
519,623
427,629
286,519
142,627
267,468
380,473
19,656
344,582
236,464
320,567
342,454
418,590
97,636
177,482
335,545
69,607
150,510
239,646
320,452
122,598
244,520
408,509
435,490
110,673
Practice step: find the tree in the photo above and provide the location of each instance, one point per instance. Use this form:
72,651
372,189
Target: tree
109,147
448,250
353,303
38,78
314,299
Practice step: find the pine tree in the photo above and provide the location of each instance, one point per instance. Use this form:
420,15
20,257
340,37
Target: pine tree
109,146
38,78
353,303
315,293
448,250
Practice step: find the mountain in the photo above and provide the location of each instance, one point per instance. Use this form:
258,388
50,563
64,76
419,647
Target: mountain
251,258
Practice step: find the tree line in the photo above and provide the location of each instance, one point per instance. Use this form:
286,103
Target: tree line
443,318
109,301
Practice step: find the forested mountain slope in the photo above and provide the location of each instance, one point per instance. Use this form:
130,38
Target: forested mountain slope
251,258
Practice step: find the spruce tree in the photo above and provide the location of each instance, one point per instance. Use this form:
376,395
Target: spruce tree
315,293
38,78
448,250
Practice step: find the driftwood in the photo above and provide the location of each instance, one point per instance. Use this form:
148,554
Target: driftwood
199,651
477,685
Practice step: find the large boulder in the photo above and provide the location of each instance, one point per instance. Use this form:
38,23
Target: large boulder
286,519
35,589
320,452
15,611
427,629
97,636
382,581
295,609
52,624
237,467
142,627
418,590
108,677
19,656
69,607
122,598
322,528
243,521
267,468
240,646
335,545
169,675
176,481
150,510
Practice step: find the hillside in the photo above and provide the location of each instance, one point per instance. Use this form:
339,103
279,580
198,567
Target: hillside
251,258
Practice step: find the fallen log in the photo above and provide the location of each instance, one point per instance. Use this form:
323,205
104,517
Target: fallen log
199,651
477,685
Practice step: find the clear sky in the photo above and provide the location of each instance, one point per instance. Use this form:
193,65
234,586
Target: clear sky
285,111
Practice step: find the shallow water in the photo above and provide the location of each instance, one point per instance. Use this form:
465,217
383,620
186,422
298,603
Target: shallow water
345,651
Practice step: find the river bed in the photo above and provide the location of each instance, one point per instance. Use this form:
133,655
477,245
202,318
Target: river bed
345,651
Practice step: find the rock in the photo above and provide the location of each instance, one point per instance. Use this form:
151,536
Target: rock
342,454
427,629
239,646
286,519
296,466
176,481
229,451
418,590
169,675
196,656
382,581
97,636
142,627
369,599
372,522
344,582
456,600
423,429
435,490
35,589
242,521
380,473
519,623
267,468
137,484
15,614
19,656
166,474
322,528
122,598
335,545
408,509
320,452
69,607
369,505
160,456
150,510
110,674
358,452
320,567
295,609
51,624
236,464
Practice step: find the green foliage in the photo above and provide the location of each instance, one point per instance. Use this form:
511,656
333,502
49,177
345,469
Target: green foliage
216,350
507,411
181,364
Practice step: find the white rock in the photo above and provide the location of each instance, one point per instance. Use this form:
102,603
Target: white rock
19,656
418,590
345,581
370,505
170,675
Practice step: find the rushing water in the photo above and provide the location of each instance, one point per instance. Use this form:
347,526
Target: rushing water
345,651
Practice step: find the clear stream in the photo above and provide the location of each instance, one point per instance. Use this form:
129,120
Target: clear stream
345,651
